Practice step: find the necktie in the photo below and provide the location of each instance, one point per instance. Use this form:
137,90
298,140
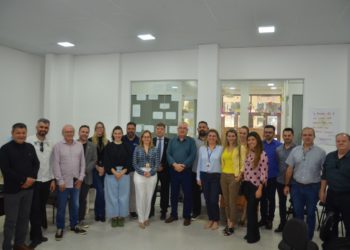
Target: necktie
160,147
41,146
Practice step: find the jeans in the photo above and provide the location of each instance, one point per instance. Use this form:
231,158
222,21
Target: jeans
62,197
100,207
306,196
84,191
211,191
249,190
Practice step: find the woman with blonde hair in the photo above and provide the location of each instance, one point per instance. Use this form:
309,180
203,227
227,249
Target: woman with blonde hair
208,176
145,162
232,162
100,140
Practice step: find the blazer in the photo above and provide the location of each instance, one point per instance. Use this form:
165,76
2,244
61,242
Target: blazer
163,159
90,161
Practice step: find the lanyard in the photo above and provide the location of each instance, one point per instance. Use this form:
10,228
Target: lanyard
209,155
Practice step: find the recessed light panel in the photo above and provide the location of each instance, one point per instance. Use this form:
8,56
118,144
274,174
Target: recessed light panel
146,37
266,29
66,44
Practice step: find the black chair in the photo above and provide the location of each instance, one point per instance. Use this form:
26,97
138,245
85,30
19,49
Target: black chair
294,237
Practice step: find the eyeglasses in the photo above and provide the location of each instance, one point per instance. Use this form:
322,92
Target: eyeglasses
41,147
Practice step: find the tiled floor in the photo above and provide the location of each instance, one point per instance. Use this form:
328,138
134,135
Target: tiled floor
157,236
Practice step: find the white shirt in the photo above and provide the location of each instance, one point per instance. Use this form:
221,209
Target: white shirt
45,171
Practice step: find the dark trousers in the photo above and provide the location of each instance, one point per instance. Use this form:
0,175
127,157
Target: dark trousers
84,190
249,191
164,179
17,212
282,203
41,191
100,205
339,203
196,196
211,191
268,200
183,180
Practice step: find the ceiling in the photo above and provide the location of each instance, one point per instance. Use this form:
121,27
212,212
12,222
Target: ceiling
108,26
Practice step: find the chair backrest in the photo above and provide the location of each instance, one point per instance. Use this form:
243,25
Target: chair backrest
295,234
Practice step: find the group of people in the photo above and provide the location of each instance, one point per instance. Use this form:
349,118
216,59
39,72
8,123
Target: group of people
126,170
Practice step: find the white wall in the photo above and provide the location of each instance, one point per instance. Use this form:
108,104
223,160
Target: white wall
323,68
81,90
21,90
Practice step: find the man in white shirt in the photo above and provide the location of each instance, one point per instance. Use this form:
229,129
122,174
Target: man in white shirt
44,184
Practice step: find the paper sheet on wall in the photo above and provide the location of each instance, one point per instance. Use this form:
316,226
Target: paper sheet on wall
326,122
141,97
175,97
170,115
139,128
148,127
172,129
164,105
157,115
152,97
136,110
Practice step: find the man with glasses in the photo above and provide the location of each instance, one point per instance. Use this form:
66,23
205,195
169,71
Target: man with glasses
336,176
44,183
305,165
180,155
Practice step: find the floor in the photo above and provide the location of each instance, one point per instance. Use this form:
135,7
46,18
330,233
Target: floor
157,236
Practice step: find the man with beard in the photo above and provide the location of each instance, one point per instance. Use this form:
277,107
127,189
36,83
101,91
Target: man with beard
196,190
133,141
44,183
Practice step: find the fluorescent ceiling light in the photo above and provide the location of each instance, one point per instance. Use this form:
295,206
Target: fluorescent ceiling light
273,88
175,87
266,29
66,44
146,37
270,84
233,88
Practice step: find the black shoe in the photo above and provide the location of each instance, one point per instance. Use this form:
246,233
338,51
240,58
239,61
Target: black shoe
162,216
254,240
229,231
59,234
44,239
245,237
133,215
194,216
262,223
78,230
35,243
103,219
268,225
279,229
170,219
187,222
97,218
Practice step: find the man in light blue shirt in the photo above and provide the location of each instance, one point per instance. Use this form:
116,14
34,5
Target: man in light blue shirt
305,165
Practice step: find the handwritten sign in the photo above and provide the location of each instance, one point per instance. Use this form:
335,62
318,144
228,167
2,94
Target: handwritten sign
326,125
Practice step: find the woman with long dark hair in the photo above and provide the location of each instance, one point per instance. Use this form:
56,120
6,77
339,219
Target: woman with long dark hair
255,176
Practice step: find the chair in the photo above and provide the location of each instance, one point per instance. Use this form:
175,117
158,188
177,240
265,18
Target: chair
294,237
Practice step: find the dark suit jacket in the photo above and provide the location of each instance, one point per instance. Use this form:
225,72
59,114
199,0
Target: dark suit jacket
163,160
90,161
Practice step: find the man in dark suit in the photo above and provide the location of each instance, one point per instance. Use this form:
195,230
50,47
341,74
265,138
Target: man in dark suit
161,143
90,153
